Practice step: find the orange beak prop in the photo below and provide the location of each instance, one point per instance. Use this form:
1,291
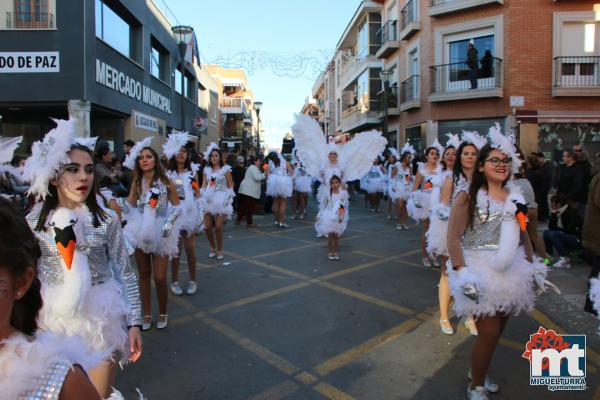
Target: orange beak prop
521,215
195,184
428,185
65,243
153,200
341,211
407,178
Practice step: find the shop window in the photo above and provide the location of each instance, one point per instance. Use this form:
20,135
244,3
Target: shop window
114,29
178,83
159,60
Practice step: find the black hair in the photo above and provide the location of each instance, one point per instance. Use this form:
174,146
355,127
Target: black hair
559,199
429,149
129,143
102,148
19,250
221,162
16,160
458,167
51,201
334,177
479,181
404,155
275,158
159,172
187,164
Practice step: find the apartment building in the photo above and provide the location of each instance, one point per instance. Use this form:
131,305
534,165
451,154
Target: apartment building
239,121
535,69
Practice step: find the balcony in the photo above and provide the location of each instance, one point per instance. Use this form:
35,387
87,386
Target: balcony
233,105
576,76
29,20
392,99
231,133
387,37
441,7
410,94
357,118
457,82
409,22
353,65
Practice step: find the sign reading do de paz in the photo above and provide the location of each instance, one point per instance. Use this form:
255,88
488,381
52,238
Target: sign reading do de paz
29,62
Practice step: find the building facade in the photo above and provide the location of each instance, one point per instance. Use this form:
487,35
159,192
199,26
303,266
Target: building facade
112,64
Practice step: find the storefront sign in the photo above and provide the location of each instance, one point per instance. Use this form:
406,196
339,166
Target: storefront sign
29,62
517,101
146,122
119,82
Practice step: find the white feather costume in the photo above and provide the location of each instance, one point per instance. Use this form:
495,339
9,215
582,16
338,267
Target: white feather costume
217,197
333,216
279,183
355,157
595,294
35,367
191,208
374,181
495,261
418,204
302,180
401,184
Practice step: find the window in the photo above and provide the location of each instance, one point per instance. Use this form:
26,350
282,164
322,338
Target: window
177,83
458,49
159,60
363,91
32,14
113,29
363,40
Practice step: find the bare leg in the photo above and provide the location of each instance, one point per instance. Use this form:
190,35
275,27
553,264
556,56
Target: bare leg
219,221
423,238
330,243
303,198
282,207
144,264
490,329
103,378
399,211
275,208
208,224
160,281
336,244
296,201
175,262
190,252
444,292
404,212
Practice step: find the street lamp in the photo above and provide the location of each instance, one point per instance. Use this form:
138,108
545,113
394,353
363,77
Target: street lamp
183,36
385,79
257,107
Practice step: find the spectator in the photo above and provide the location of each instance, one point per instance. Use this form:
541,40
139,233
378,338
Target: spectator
104,168
547,180
583,163
591,226
487,65
472,63
127,177
127,146
532,212
237,173
19,186
564,230
570,181
249,191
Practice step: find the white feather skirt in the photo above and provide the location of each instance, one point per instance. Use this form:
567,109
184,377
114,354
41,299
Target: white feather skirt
373,185
190,216
101,320
419,213
144,231
508,291
399,191
328,222
218,202
437,242
303,184
279,186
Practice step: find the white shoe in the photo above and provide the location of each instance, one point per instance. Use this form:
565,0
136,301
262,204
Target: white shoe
336,257
147,323
331,257
445,329
163,321
212,254
191,288
563,262
478,393
471,327
489,384
427,262
399,227
219,256
176,289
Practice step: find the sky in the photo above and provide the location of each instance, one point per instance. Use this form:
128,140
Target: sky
287,30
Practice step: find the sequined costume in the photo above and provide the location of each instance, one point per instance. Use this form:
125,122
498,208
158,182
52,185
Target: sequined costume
328,218
374,180
100,310
217,197
496,254
191,216
418,204
146,219
279,183
400,186
35,367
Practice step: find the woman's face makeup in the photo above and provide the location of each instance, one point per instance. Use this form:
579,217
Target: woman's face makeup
75,180
496,167
181,157
433,156
468,157
214,157
146,160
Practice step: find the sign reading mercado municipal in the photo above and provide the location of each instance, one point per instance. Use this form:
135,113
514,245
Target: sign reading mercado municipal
119,82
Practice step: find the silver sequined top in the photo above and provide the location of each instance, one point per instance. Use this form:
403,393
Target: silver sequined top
49,385
461,186
107,258
163,198
487,222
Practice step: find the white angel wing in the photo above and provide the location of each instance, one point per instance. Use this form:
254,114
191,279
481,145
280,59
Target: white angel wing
311,144
356,156
8,145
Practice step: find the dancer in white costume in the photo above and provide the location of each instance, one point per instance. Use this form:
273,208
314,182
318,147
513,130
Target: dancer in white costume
184,174
391,161
419,201
302,187
493,269
325,159
333,217
400,187
217,198
374,182
88,285
152,213
280,185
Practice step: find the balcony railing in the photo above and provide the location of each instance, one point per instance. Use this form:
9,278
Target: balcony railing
441,7
409,90
392,96
29,20
232,102
408,15
234,133
577,72
388,32
459,77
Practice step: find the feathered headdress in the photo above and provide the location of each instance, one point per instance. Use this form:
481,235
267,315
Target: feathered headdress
8,145
332,147
394,153
90,142
438,146
174,143
474,138
408,148
453,141
504,144
47,156
135,152
209,149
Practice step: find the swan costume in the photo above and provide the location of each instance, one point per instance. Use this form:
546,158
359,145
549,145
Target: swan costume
279,183
333,216
374,181
217,197
302,180
88,285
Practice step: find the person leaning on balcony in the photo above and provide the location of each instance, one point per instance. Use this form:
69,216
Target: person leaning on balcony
472,55
487,64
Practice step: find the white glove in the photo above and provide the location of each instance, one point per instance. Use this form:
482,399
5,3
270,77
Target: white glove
168,226
443,213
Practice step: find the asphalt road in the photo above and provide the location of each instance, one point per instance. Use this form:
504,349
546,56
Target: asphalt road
276,320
